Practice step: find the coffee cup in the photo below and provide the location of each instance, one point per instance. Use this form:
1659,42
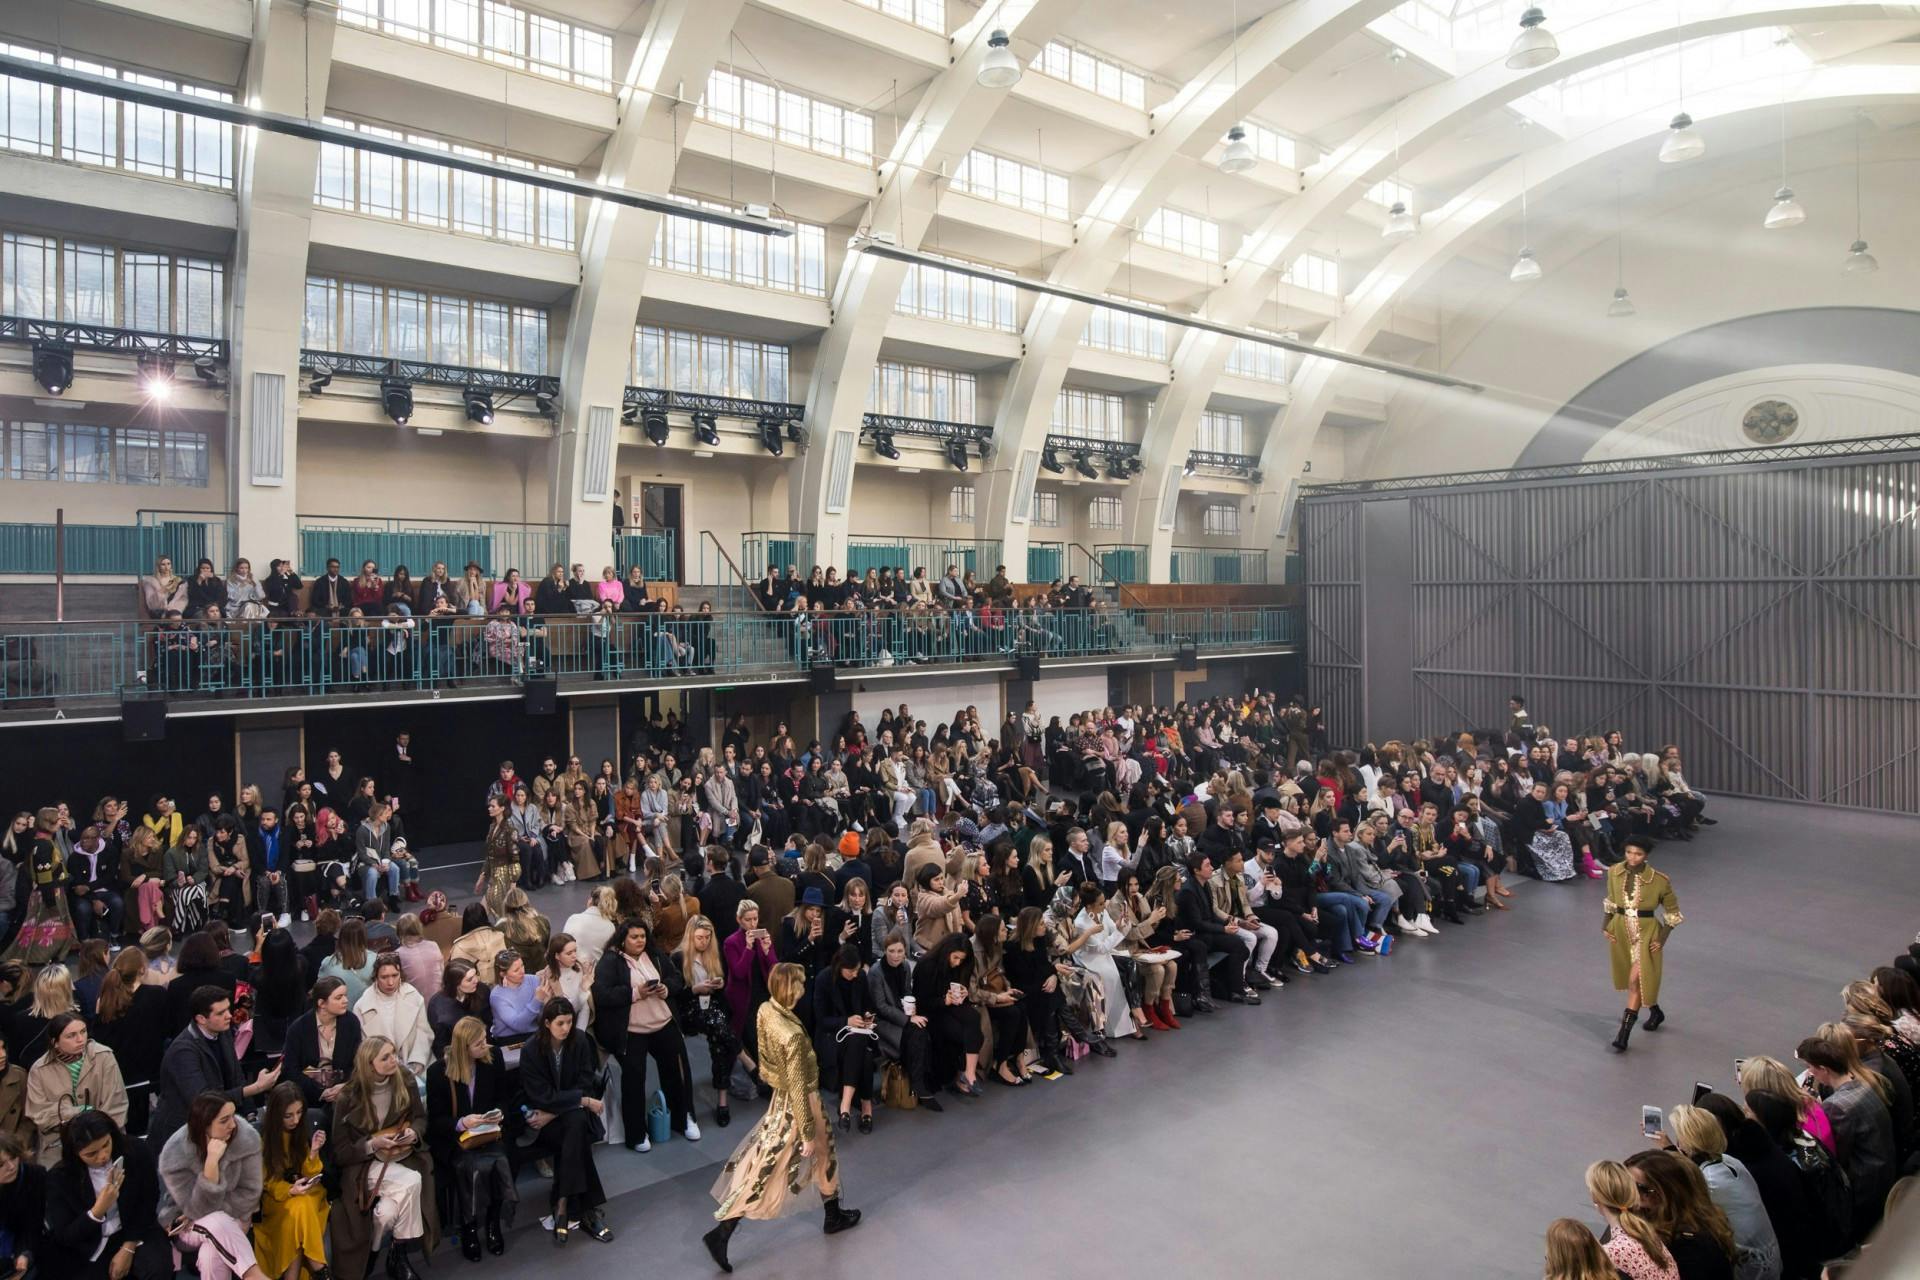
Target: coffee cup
908,1003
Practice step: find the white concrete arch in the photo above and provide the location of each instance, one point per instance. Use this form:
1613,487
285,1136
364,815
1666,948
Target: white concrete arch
944,126
1418,122
682,41
1270,52
1413,261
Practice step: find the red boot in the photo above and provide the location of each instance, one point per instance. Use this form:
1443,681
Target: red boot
1165,1010
1151,1016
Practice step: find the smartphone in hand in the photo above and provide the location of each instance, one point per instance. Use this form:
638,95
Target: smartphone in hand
1650,1121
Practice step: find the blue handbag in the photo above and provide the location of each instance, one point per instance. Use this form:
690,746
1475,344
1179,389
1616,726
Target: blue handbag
659,1119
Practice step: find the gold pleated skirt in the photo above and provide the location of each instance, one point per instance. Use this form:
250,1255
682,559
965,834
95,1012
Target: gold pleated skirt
767,1177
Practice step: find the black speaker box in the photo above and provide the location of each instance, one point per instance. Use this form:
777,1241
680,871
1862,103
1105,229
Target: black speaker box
143,720
1189,658
1029,666
542,696
821,675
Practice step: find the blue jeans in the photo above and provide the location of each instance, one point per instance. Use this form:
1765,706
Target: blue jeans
1381,901
1349,913
1471,872
370,880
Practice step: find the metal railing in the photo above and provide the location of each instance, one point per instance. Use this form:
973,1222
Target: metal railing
120,550
312,658
1208,565
978,556
1120,563
653,552
418,544
760,548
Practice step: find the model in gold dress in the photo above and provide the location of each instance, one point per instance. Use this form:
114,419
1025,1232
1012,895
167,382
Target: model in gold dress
500,865
788,1158
1635,892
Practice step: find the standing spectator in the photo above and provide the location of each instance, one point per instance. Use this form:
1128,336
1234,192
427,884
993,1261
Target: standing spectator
635,989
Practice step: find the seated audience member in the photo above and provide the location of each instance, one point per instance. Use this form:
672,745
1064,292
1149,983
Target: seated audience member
103,1206
290,1239
378,1141
211,1182
561,1080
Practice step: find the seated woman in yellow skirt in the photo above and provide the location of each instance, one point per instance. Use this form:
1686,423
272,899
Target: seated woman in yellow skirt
292,1231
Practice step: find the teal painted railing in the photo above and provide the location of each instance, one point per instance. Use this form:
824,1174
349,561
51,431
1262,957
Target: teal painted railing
763,547
419,544
1121,562
313,658
1218,565
1046,561
121,550
866,552
653,552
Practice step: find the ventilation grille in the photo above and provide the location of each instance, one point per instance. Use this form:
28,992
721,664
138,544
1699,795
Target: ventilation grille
1170,498
1023,483
840,470
269,411
597,483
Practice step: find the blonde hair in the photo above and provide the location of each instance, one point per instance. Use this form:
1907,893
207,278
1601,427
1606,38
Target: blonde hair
458,1057
1697,1132
1847,1045
711,959
1613,1190
786,984
1574,1254
53,991
1770,1075
1864,999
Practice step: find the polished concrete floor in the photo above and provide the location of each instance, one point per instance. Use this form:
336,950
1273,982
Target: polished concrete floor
1426,1114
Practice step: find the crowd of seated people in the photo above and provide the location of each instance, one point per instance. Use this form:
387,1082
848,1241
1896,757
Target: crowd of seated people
215,633
1783,1175
968,905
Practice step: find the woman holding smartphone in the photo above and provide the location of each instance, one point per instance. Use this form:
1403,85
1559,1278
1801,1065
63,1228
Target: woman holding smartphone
635,990
292,1232
467,1102
379,1125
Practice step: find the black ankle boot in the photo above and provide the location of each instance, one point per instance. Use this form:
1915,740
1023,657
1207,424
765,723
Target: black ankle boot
839,1219
1627,1020
716,1242
496,1238
398,1268
1654,1017
470,1240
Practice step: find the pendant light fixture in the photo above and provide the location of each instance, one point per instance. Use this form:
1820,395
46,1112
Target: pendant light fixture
1859,262
1683,142
1786,211
1000,69
1534,46
1400,224
1239,155
1526,267
1621,306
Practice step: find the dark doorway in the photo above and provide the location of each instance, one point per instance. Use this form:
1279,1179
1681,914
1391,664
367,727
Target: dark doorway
661,512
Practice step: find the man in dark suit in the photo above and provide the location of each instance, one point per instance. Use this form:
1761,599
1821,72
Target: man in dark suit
1194,904
201,1059
332,595
721,894
1077,857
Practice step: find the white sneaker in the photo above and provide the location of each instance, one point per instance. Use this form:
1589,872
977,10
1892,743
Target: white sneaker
1408,926
286,919
643,1146
692,1130
1425,922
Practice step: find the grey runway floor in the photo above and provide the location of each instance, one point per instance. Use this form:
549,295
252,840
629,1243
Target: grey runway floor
1426,1114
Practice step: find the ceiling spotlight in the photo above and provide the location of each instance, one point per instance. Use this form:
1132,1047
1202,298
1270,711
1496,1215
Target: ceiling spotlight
1187,469
797,432
479,403
544,400
770,437
322,375
1786,211
654,422
156,377
53,366
1621,306
1239,156
883,445
1534,46
396,397
956,450
1526,268
1084,465
1400,223
1050,461
1254,476
1117,468
1396,54
986,447
1683,142
1859,262
705,430
207,369
629,414
1000,69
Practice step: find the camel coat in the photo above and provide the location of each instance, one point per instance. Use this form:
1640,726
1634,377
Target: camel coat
53,1098
1651,890
351,1225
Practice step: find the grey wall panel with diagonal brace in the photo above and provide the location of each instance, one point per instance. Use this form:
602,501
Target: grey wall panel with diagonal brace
1763,615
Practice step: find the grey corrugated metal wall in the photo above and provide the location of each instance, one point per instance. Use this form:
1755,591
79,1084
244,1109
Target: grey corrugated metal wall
1766,618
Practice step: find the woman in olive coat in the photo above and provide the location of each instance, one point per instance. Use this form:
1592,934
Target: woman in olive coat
1637,935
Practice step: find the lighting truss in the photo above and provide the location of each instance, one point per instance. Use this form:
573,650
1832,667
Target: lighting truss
101,337
1237,464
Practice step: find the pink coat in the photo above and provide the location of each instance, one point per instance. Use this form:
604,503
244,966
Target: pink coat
744,972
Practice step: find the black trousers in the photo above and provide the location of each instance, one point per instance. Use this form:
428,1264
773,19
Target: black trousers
956,1032
916,1058
668,1049
1009,1024
1042,1015
1193,966
1230,974
1292,931
854,1060
152,1261
568,1140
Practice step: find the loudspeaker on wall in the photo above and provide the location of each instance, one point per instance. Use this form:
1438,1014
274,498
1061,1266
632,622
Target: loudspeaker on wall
143,720
542,696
